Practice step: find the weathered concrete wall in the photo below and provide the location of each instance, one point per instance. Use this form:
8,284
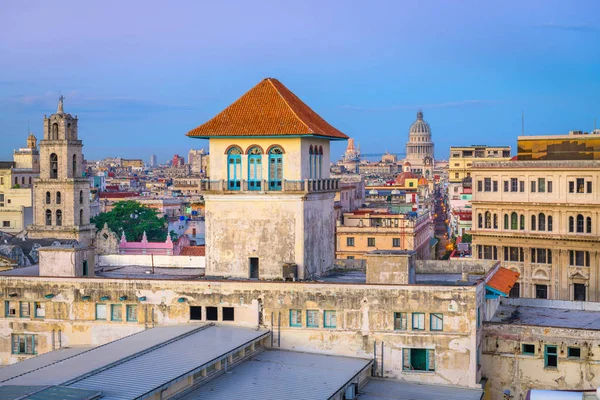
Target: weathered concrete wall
508,368
454,267
319,234
106,241
118,260
364,316
66,261
391,267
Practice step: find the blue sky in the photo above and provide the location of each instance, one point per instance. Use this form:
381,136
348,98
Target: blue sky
140,74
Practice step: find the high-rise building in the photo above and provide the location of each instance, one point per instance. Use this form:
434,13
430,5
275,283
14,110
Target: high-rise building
153,160
198,160
420,148
62,193
177,161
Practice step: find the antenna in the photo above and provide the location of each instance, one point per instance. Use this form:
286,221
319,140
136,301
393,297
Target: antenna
522,123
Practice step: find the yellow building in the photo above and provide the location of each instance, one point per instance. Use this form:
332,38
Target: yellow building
133,163
577,145
462,158
16,182
365,230
269,202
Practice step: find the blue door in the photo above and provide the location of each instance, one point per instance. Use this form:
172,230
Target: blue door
275,168
234,169
254,169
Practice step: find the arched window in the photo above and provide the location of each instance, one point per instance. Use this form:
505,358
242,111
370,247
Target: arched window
479,221
74,165
58,218
320,162
514,221
533,224
53,166
54,135
22,181
311,162
16,181
69,135
549,223
255,168
58,197
488,220
541,222
48,197
588,225
81,217
579,223
48,217
495,221
81,197
571,224
506,221
275,168
234,168
30,181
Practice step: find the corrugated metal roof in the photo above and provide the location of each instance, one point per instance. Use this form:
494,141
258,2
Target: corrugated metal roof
384,389
98,357
14,392
551,317
40,361
151,370
46,393
282,375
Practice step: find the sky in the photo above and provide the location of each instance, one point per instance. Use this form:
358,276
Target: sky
141,74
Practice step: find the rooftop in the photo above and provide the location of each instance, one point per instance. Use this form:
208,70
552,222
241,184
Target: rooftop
548,313
283,375
387,389
268,109
503,280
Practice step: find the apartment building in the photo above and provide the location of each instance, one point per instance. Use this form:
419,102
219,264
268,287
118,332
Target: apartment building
462,158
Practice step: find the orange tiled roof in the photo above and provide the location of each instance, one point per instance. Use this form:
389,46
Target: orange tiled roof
268,109
503,280
192,251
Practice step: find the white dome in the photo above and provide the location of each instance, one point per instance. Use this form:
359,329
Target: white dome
420,126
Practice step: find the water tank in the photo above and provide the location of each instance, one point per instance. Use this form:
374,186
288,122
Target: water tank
350,393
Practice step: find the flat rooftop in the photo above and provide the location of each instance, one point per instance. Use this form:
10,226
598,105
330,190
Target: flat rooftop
126,272
360,277
543,315
387,389
276,374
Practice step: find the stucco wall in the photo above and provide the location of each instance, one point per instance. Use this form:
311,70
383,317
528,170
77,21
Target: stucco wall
60,261
319,234
365,316
114,260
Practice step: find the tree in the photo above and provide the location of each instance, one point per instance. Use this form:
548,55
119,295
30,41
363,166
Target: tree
134,219
466,238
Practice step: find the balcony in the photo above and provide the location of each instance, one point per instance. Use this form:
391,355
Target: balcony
284,186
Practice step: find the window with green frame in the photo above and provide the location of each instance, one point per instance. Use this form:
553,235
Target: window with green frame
528,349
116,312
329,319
25,309
550,357
132,313
101,312
312,318
10,308
418,321
436,322
295,317
400,321
23,344
418,359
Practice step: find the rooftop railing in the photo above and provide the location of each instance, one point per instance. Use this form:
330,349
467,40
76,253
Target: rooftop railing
245,186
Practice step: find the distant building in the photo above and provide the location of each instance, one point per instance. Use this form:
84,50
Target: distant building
577,145
199,162
16,184
136,164
177,161
420,148
462,157
153,160
365,230
351,158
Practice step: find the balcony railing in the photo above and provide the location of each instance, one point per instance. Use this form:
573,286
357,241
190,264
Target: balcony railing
242,185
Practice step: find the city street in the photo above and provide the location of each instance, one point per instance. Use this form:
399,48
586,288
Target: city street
440,227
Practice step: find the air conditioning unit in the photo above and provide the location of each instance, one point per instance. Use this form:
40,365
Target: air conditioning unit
351,392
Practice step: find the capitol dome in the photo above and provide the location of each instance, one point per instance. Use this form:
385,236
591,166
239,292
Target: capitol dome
420,126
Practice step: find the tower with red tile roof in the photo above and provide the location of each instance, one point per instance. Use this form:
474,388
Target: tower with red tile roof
269,198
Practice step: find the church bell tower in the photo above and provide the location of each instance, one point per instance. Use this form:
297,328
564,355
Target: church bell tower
61,194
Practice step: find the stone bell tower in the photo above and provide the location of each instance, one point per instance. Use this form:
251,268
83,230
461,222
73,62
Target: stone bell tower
61,194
